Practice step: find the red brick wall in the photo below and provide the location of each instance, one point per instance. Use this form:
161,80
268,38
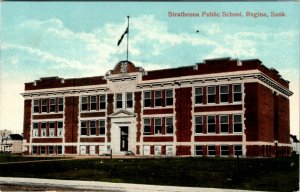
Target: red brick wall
57,83
110,110
93,139
265,114
71,118
251,112
158,111
70,150
218,108
138,110
47,140
183,150
219,138
158,139
93,114
283,120
27,119
183,110
211,67
50,116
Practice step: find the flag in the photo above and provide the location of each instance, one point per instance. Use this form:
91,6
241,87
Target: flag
120,40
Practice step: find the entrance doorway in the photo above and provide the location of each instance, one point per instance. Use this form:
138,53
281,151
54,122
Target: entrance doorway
124,139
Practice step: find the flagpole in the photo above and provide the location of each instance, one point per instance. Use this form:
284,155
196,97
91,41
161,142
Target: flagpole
127,36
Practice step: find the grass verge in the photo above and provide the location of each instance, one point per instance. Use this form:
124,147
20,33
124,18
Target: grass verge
274,174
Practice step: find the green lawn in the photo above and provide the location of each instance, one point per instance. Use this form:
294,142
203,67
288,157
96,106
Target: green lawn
16,158
274,174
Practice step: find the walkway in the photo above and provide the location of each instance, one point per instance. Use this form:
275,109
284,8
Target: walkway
103,186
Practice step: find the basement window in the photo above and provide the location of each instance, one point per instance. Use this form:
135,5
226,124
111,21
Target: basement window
238,151
199,150
211,150
224,150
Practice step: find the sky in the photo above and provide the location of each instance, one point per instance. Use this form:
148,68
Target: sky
79,39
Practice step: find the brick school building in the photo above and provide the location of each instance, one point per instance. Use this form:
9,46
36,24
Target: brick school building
220,107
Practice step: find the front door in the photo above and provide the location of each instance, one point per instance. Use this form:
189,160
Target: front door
124,139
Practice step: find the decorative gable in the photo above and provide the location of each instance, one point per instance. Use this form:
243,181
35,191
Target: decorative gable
122,113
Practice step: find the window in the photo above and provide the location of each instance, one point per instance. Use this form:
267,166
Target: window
211,124
83,128
50,150
147,99
52,105
35,130
61,104
44,105
224,92
211,94
102,102
119,103
102,127
93,102
129,101
198,150
211,150
51,129
158,98
169,125
147,127
59,150
198,95
224,123
237,92
36,108
198,124
224,150
158,126
43,150
34,150
238,151
169,97
44,129
59,128
84,103
237,123
92,127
